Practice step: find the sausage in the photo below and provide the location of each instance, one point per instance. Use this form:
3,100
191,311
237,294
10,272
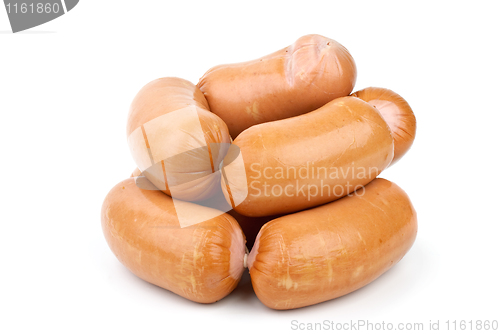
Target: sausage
397,113
176,142
308,160
193,251
249,225
297,79
326,252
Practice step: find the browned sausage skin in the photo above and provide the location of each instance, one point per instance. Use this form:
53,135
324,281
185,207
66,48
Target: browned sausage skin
326,252
297,79
397,113
202,262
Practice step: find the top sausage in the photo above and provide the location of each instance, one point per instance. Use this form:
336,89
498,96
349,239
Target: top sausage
295,80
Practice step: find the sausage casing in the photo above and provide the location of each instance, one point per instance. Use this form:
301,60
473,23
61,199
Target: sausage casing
202,262
323,253
176,142
297,79
397,113
308,160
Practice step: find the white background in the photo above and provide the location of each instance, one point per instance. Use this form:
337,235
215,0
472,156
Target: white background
65,88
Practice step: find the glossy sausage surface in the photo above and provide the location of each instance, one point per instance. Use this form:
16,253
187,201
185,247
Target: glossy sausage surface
326,252
176,142
397,113
202,261
297,79
249,225
308,160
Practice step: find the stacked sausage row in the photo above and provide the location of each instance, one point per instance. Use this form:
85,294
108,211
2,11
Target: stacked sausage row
302,172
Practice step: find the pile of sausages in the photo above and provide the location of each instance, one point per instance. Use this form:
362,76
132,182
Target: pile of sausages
298,185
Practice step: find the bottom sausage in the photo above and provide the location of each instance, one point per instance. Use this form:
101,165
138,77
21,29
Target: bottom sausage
202,261
323,253
249,225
